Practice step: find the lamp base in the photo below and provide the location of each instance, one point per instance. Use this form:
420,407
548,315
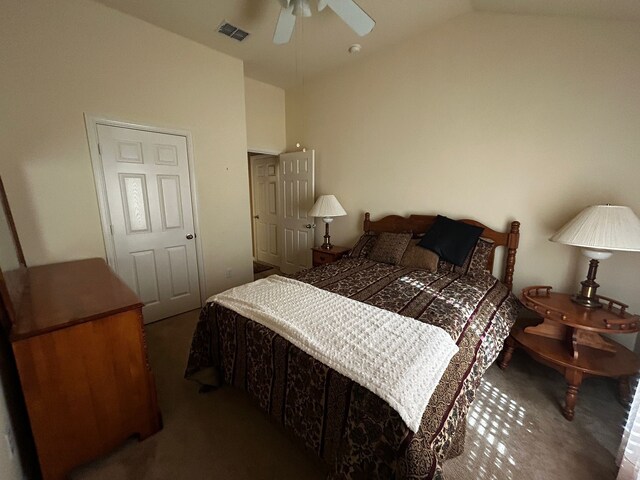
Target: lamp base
327,238
587,296
586,301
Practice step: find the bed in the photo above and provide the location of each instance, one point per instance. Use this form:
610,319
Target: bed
354,432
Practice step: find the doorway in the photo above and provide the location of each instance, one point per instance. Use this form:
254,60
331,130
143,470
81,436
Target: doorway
265,210
282,190
145,188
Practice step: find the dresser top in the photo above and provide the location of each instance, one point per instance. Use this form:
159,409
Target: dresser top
64,294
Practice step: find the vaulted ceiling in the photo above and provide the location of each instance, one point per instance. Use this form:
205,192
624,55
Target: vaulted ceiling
320,43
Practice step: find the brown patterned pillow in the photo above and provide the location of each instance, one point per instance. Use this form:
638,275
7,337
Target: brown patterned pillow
390,247
480,255
364,245
475,261
419,257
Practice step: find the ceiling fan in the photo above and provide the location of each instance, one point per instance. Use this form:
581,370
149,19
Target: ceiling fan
347,10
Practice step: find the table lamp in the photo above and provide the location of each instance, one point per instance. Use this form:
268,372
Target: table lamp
598,230
327,207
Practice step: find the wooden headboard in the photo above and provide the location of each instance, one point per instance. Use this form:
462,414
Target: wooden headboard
418,224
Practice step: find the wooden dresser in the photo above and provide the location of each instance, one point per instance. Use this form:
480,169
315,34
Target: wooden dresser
80,351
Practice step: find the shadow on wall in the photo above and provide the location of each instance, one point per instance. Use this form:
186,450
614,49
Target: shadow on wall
18,419
31,219
22,187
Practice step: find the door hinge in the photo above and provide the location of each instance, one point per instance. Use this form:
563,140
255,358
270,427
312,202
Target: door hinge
99,149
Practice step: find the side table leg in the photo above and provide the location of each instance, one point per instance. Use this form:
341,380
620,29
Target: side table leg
624,391
507,352
574,379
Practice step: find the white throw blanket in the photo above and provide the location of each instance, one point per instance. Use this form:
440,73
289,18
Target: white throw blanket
398,358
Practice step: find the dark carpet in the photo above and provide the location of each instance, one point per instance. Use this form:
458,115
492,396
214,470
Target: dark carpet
260,267
515,428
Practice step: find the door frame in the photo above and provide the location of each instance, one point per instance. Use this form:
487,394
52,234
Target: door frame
254,237
91,124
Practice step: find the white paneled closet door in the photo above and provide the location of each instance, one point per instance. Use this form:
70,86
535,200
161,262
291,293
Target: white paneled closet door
149,199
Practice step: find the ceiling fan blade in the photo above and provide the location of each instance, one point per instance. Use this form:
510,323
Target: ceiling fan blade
352,15
284,28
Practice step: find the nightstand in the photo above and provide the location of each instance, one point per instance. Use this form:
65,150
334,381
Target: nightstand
568,340
322,256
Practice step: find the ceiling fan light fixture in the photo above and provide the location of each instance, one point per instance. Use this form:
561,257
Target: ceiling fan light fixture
348,10
301,8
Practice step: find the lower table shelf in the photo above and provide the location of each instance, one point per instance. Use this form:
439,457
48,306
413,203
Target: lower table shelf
619,362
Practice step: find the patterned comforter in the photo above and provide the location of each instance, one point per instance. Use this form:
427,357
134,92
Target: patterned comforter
357,434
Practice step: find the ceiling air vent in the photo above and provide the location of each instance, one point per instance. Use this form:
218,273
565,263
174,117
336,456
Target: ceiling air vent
232,31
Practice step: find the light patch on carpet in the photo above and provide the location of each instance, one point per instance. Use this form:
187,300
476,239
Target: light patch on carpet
493,416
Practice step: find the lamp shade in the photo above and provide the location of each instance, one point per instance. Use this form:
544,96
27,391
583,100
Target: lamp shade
606,227
327,206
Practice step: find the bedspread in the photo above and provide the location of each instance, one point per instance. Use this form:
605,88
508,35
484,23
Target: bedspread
357,434
393,356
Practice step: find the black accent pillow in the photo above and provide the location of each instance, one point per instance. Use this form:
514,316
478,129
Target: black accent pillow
450,239
476,261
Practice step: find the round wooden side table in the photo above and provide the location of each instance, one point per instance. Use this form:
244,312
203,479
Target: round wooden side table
569,341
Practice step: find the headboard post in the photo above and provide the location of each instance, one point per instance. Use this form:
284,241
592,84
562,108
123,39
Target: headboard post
512,246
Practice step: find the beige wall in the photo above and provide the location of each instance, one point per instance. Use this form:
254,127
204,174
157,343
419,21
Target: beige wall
65,58
493,117
62,59
265,109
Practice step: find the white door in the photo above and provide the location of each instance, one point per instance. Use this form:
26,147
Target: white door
297,179
149,199
264,179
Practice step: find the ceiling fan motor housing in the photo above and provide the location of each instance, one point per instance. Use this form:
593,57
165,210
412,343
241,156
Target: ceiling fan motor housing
347,10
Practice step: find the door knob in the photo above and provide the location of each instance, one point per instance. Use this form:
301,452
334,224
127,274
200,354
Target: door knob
257,217
309,225
189,237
